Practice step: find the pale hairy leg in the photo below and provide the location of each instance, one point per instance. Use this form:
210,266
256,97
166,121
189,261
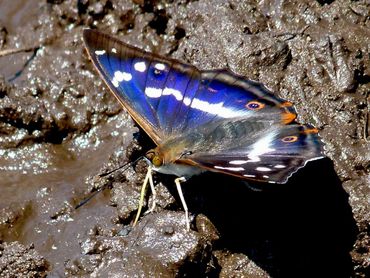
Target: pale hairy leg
148,177
178,186
154,194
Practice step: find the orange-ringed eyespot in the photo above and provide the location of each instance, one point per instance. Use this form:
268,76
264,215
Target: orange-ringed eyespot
289,139
254,105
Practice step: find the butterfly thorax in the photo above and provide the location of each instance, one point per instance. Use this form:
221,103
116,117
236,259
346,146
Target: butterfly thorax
170,158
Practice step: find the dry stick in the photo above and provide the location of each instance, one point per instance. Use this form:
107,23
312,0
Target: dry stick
7,52
367,119
366,127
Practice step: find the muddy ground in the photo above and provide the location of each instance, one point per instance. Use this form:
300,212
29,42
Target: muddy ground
60,127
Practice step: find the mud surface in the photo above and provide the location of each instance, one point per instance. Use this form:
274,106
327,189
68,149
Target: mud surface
60,127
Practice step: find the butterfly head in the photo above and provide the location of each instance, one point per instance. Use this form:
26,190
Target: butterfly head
155,157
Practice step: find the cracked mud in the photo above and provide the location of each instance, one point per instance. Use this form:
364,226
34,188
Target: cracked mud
60,128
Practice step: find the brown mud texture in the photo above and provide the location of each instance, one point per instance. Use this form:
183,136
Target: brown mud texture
60,127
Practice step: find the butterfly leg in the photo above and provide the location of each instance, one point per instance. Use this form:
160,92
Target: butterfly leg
178,186
154,193
142,193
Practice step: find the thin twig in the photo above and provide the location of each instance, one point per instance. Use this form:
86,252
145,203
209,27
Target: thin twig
7,52
366,127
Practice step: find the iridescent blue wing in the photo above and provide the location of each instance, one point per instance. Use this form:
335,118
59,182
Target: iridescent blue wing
125,70
224,95
167,98
272,153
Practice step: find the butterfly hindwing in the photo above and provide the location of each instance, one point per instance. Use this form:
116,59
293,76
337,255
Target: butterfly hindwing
167,98
272,156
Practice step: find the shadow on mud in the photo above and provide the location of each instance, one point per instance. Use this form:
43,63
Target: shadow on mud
304,228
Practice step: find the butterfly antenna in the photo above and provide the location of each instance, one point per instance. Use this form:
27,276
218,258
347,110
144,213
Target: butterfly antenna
90,197
125,166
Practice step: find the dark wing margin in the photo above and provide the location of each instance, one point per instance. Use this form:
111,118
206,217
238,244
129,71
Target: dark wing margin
114,61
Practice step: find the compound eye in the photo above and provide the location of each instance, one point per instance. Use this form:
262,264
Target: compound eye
157,161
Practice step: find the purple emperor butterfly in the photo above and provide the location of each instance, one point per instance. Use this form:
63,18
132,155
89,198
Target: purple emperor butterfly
203,120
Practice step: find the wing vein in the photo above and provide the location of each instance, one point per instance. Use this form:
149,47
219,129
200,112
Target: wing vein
175,117
145,83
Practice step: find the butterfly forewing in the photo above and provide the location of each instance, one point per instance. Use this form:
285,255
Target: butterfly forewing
116,63
167,98
180,85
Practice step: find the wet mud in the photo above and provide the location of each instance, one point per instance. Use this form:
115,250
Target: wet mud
60,128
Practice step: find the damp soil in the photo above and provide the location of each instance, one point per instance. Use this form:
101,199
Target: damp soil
60,128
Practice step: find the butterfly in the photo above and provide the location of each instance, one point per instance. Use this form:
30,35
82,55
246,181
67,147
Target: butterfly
203,120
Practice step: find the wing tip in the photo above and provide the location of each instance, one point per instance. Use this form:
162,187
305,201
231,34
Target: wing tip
88,36
95,40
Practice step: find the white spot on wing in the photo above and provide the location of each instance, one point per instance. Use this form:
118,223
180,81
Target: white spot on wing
140,66
122,76
100,52
263,169
234,169
214,108
160,66
115,82
176,93
265,176
153,92
249,176
279,166
238,162
262,146
187,101
114,50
